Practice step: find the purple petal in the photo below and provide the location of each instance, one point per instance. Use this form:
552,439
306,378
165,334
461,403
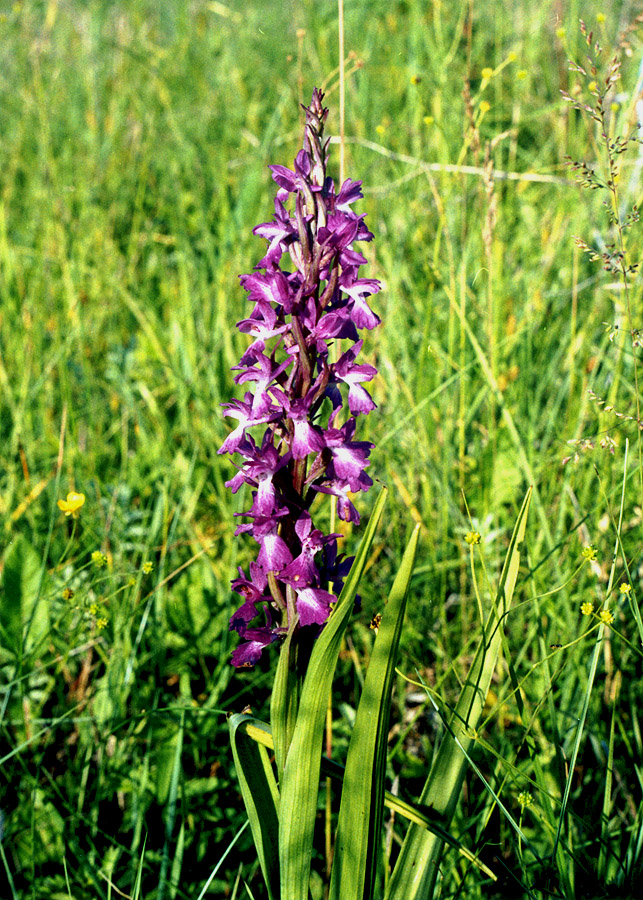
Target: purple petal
313,606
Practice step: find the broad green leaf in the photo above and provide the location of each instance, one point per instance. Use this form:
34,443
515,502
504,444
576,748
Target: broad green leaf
300,782
260,796
417,865
359,826
24,614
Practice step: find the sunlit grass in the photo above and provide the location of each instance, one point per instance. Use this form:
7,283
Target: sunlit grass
134,148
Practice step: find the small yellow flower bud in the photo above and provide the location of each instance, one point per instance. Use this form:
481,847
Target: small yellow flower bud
525,799
99,559
487,73
485,106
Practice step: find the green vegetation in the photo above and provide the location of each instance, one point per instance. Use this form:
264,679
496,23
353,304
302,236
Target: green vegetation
134,144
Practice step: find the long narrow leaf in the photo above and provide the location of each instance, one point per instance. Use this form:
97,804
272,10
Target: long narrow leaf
260,796
359,825
417,865
284,704
260,732
300,783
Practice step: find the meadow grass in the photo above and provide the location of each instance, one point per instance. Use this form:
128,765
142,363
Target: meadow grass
135,139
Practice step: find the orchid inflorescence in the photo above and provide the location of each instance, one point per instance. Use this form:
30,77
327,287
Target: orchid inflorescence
297,316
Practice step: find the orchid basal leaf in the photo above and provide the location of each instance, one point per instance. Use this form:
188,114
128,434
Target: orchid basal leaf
261,733
300,783
260,796
357,845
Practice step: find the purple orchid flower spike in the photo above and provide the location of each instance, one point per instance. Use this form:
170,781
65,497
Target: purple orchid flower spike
306,297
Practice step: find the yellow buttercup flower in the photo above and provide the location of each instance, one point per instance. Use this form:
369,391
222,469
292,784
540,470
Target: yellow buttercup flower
72,504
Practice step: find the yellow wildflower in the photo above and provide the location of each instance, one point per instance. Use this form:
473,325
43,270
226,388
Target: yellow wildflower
589,553
472,537
606,617
587,608
101,623
485,106
487,73
625,589
147,567
72,504
99,559
68,594
525,799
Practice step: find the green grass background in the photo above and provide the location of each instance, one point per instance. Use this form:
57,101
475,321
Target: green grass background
134,144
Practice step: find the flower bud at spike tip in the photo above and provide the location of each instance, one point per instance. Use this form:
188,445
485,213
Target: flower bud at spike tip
306,295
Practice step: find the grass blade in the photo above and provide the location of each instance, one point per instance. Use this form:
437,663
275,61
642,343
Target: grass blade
417,866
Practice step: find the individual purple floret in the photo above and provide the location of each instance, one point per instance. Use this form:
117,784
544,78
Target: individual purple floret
306,297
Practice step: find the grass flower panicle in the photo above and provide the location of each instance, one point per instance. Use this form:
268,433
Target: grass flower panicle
306,296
